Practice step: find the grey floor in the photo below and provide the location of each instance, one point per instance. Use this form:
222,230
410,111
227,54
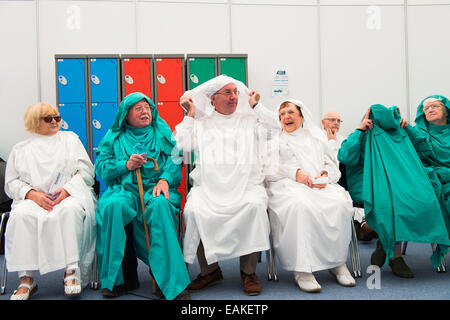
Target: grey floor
427,284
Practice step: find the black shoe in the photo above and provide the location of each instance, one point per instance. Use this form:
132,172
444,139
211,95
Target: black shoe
400,268
120,290
378,256
184,295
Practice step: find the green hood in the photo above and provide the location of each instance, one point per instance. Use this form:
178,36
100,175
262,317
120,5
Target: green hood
163,133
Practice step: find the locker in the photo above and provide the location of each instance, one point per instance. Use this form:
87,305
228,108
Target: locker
171,113
200,70
103,115
71,80
73,118
137,75
169,78
235,67
103,79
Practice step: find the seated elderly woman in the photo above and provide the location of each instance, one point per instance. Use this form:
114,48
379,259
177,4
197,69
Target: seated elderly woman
49,176
310,214
432,119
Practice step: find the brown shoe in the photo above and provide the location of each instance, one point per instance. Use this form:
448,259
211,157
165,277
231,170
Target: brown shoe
250,284
203,282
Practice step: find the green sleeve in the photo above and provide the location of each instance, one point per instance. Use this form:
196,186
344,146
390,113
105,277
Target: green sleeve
350,152
108,167
419,141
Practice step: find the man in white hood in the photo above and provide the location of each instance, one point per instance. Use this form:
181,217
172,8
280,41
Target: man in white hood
226,209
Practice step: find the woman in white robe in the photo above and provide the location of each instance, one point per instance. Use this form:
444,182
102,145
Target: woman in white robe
51,226
310,214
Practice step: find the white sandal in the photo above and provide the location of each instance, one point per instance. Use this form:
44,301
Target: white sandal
74,289
25,296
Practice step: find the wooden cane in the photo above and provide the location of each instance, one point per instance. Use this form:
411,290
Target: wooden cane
141,196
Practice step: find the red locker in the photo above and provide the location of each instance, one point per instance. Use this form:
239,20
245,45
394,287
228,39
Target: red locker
171,112
137,75
169,78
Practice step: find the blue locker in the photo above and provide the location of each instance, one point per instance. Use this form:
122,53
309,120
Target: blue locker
74,119
103,115
71,80
103,80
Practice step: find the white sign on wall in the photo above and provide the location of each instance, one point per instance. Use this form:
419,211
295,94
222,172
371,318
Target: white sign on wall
280,85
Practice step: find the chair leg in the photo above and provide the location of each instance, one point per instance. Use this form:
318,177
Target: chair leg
269,265
354,251
94,274
442,268
405,245
4,273
274,261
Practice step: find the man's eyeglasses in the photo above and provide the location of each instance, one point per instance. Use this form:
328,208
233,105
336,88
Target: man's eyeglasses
49,119
431,107
141,108
228,93
334,120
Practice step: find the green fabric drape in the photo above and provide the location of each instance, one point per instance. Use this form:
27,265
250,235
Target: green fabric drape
120,204
399,200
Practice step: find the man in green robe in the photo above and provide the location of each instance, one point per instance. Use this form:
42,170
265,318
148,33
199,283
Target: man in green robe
137,133
384,172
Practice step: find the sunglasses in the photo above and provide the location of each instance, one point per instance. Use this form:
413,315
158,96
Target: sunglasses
49,119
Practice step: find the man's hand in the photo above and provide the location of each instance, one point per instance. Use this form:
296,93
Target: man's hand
188,105
61,194
161,186
136,161
254,98
41,199
302,177
403,122
366,123
331,134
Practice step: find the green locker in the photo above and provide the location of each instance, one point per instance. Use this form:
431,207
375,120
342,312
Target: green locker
200,68
234,66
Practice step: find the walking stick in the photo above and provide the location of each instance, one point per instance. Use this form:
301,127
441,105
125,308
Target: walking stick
141,195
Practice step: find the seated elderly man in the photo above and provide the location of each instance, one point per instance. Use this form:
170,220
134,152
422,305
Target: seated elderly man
226,209
384,172
331,123
49,176
310,213
139,132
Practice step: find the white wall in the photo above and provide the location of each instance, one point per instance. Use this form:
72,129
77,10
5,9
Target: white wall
339,54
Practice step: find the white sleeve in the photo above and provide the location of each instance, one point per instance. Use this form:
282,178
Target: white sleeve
15,187
185,135
84,169
267,118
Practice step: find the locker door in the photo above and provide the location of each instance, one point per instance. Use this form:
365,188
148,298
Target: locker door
73,118
137,76
169,79
103,80
234,67
71,80
103,115
200,71
182,189
171,113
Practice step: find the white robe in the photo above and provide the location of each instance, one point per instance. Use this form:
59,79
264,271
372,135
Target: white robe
37,239
227,206
310,226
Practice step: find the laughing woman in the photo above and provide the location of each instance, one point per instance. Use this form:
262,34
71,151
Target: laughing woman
310,214
49,176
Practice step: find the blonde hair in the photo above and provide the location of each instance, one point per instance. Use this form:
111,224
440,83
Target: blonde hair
34,113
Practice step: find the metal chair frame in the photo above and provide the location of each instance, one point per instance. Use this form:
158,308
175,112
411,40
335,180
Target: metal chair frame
442,267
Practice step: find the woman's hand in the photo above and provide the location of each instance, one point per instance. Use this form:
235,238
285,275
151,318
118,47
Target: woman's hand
302,177
136,161
161,186
41,199
321,186
61,194
254,98
188,105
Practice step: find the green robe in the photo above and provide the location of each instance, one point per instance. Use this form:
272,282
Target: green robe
399,200
120,204
438,161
